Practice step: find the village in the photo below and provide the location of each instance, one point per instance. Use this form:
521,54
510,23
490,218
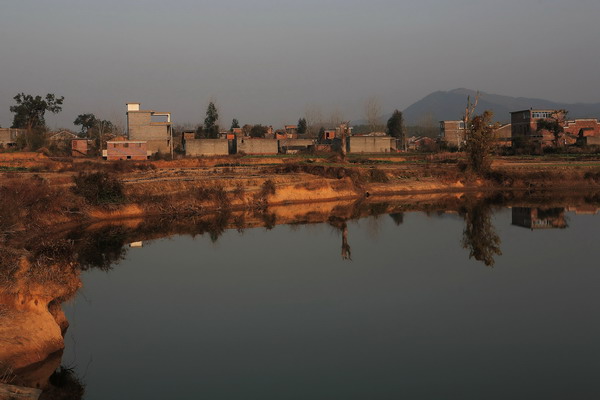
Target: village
150,133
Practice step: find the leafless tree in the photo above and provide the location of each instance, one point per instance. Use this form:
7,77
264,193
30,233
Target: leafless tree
373,113
336,117
313,116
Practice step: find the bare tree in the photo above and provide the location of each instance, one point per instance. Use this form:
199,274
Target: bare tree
313,116
336,117
373,113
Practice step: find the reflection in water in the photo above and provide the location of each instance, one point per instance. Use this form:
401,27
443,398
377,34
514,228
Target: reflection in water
38,273
343,227
479,235
539,218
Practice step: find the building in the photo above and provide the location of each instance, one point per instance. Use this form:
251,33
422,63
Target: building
126,150
329,134
80,147
524,126
8,136
291,131
370,144
61,136
453,133
582,131
154,128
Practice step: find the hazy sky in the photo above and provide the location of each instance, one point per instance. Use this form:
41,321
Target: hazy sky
264,61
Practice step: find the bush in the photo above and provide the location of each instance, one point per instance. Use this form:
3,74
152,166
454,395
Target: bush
98,188
267,188
377,175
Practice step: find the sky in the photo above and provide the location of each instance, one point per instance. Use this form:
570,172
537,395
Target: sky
268,61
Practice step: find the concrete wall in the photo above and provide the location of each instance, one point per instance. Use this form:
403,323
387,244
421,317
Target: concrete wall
206,147
155,146
370,144
294,145
141,127
257,146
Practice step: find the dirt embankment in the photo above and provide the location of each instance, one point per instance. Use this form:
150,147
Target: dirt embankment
196,186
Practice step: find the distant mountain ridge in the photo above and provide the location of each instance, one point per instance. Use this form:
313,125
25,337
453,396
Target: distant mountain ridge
450,105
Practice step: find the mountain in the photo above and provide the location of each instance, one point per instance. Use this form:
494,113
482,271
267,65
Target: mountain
450,105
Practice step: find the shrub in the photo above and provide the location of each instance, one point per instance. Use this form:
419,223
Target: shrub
267,188
98,188
377,175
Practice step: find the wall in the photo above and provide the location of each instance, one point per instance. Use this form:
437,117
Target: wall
141,127
257,146
294,145
206,147
126,151
369,144
8,136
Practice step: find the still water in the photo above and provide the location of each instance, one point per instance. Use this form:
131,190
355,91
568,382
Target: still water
404,313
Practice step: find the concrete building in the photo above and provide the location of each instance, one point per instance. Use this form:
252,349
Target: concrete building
206,147
154,128
370,144
126,150
257,146
8,136
524,126
453,133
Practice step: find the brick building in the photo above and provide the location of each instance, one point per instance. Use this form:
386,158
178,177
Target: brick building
126,150
80,147
524,126
154,128
582,131
453,133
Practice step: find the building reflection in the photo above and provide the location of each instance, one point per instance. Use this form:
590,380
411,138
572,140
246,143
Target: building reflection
539,218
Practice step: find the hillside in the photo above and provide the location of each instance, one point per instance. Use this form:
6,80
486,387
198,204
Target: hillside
451,105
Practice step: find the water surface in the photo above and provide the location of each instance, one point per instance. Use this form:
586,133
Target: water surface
375,308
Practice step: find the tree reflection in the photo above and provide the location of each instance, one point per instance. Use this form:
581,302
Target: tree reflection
342,226
479,235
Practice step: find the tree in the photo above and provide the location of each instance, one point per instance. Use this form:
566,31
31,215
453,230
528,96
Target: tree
246,130
313,117
554,125
395,126
211,128
29,111
87,122
234,124
94,128
302,127
258,131
479,140
373,113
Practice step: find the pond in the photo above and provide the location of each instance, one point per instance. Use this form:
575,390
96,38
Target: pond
491,303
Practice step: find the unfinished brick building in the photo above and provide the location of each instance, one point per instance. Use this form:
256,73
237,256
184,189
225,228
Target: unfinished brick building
524,126
126,150
453,133
583,131
154,128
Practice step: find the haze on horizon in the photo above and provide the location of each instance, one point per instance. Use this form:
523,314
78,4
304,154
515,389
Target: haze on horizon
264,61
